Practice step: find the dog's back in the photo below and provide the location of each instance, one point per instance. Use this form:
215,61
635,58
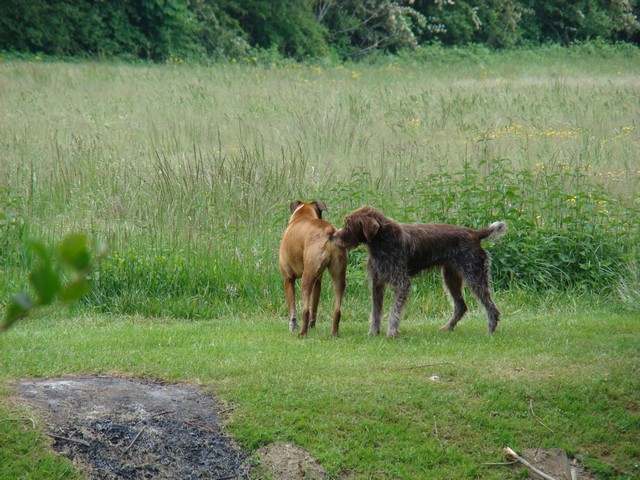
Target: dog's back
306,238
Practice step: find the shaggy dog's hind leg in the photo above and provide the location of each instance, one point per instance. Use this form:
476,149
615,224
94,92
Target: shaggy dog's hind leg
453,282
478,280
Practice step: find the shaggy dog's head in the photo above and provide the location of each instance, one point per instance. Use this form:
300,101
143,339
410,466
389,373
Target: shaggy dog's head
360,226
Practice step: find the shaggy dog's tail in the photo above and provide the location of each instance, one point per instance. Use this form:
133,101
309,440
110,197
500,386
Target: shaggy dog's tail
493,232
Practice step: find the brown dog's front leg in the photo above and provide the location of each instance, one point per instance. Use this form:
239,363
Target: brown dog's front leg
305,323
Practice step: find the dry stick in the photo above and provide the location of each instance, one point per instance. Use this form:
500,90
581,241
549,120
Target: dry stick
435,428
574,473
144,428
20,419
202,427
67,439
161,413
536,417
135,439
569,470
501,464
230,409
511,454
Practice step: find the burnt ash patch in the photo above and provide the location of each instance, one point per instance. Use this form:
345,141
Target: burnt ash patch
118,428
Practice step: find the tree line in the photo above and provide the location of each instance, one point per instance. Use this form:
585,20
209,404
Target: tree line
158,30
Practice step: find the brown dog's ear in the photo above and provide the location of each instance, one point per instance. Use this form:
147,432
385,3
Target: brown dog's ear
320,207
370,228
295,204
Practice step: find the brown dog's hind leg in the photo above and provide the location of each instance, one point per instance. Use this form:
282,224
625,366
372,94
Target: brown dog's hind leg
453,283
290,294
308,283
338,277
315,298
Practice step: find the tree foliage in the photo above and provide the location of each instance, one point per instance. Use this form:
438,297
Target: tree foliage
158,30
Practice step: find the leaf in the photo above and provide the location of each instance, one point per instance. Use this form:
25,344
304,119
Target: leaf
41,251
45,282
73,252
75,290
18,308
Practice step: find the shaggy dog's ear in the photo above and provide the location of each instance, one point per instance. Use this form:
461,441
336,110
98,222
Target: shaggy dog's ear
370,228
295,204
320,207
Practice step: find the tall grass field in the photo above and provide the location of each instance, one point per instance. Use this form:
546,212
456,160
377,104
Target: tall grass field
187,172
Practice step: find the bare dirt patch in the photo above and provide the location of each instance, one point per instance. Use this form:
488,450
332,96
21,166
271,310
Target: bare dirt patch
129,428
555,463
285,461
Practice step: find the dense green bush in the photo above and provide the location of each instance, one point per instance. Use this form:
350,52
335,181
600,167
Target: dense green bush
505,23
161,30
139,29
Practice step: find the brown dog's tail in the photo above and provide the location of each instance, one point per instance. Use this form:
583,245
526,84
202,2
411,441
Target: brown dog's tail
493,232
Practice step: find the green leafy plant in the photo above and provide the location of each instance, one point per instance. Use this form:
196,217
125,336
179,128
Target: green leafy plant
50,280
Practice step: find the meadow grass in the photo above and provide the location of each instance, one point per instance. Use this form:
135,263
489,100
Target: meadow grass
187,172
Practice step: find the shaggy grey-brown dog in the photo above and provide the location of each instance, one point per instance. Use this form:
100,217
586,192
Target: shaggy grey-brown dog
399,251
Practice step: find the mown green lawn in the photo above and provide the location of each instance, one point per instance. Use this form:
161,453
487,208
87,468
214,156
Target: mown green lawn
429,404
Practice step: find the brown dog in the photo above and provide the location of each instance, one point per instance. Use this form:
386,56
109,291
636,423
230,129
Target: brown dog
308,248
399,251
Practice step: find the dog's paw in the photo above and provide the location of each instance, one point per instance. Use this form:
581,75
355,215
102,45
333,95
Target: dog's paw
447,328
393,332
293,326
373,332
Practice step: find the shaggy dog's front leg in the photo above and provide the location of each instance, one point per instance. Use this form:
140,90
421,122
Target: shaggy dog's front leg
400,296
378,288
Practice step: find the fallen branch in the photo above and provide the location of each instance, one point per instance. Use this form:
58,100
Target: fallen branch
500,464
570,471
20,419
67,439
230,409
511,454
204,428
166,412
536,417
135,439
